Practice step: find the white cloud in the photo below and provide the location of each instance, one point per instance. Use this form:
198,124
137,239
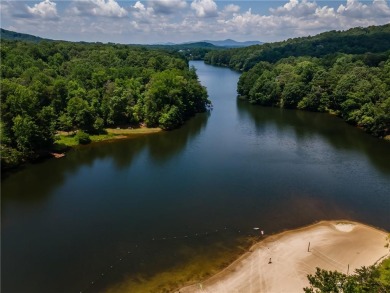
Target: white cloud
45,10
295,8
353,9
172,20
325,12
141,14
380,8
231,8
168,6
300,18
204,8
356,9
107,8
139,6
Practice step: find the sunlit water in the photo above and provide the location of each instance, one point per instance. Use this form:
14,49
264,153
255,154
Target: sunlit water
66,222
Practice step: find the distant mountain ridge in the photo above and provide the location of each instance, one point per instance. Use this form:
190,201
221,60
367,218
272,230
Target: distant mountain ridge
233,44
228,43
10,35
183,46
358,40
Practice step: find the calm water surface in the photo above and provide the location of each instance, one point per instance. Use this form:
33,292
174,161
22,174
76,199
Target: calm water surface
66,221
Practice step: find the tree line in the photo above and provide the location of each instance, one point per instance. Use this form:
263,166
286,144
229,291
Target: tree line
342,84
374,39
52,86
316,74
364,279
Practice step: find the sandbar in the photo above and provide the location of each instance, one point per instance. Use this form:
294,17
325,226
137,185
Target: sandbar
281,262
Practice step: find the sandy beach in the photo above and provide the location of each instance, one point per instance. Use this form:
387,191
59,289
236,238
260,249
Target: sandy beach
281,262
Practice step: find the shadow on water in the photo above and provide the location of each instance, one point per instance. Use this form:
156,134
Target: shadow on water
67,221
333,130
161,146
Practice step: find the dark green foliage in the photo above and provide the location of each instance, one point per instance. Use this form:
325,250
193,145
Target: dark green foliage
82,137
355,87
51,86
10,157
365,279
374,39
10,35
358,93
191,51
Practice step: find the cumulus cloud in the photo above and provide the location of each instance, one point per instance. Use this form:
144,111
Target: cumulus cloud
295,8
356,9
204,8
231,8
299,18
173,20
168,6
380,8
45,10
142,14
107,8
325,12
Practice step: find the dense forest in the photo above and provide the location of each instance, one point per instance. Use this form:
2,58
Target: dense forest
373,39
343,73
52,86
191,51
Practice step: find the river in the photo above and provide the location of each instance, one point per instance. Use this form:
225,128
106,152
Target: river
132,209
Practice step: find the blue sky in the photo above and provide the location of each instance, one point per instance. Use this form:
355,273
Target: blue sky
181,21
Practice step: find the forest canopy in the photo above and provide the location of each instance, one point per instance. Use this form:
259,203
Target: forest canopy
52,86
343,73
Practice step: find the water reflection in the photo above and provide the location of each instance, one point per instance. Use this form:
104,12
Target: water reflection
242,167
306,125
161,146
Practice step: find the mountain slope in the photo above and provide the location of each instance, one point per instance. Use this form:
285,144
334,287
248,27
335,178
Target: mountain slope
10,35
358,40
233,44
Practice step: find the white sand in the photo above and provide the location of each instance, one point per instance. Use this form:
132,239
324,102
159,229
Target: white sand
333,246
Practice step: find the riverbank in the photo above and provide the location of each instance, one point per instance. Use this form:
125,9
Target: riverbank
68,139
64,141
292,255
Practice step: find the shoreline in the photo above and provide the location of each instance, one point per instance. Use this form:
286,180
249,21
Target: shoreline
293,254
67,140
61,147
